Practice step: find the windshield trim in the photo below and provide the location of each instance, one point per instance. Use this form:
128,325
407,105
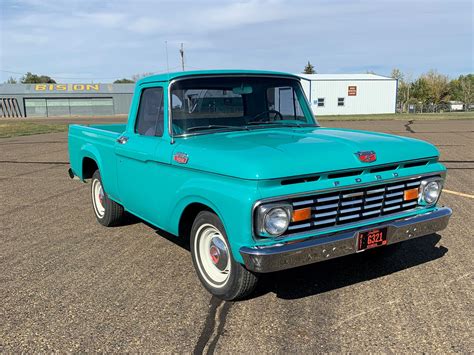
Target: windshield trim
243,130
174,81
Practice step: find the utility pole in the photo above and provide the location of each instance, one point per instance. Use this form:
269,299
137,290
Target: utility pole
181,52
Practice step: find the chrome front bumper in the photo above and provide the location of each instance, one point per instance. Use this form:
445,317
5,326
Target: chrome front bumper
288,255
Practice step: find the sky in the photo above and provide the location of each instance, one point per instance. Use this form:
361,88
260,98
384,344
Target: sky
104,40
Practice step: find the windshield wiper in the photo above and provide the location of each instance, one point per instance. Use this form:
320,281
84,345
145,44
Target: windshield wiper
214,126
281,124
260,122
285,124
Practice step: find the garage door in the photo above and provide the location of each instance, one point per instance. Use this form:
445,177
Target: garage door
35,107
57,107
92,107
69,107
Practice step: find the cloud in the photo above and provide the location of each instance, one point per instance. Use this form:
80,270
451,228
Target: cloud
245,13
104,19
149,25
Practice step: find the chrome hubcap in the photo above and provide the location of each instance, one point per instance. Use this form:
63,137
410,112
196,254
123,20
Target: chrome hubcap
218,253
98,198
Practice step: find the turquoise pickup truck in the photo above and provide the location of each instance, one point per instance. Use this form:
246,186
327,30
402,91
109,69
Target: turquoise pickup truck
235,163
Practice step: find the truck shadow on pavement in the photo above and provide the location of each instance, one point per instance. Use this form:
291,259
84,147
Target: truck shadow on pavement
333,274
341,272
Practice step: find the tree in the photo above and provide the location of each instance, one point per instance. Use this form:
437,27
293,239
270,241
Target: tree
11,80
309,69
420,90
397,74
401,97
404,88
438,86
30,78
462,89
123,81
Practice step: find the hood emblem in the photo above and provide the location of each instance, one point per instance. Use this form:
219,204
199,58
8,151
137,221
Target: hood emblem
367,157
181,158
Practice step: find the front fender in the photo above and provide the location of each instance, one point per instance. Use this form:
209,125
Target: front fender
189,200
231,199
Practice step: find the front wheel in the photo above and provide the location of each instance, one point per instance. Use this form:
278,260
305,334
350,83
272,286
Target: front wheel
217,270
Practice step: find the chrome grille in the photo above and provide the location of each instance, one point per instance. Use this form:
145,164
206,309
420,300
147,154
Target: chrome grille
349,206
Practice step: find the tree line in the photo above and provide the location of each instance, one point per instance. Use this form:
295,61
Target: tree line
30,78
433,88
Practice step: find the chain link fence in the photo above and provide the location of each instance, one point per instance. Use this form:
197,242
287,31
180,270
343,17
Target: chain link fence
434,108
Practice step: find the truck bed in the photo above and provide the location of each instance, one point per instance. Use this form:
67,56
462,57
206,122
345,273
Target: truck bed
97,143
114,127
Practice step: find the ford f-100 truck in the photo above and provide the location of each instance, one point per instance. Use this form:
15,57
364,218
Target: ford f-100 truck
235,162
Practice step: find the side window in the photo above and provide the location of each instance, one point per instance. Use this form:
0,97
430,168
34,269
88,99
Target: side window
150,117
284,100
340,101
320,101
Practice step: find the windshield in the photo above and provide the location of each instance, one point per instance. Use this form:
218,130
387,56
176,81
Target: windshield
202,105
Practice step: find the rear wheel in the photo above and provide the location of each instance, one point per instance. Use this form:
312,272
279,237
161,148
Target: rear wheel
217,270
108,213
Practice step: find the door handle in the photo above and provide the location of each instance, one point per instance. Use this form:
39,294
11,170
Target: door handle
122,140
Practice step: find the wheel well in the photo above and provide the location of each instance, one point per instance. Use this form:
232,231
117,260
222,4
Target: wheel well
88,167
188,216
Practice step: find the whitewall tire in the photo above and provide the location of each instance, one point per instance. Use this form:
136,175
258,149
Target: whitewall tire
108,213
212,258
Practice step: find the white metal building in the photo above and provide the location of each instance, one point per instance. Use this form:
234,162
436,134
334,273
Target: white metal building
350,94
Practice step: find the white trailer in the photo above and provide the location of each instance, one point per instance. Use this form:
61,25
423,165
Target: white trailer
350,94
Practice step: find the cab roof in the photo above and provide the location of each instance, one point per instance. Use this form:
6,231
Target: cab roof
175,75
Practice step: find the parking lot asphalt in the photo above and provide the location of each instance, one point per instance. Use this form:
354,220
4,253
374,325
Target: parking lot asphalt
69,284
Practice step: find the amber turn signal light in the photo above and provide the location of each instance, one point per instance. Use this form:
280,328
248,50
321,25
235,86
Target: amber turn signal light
301,215
410,194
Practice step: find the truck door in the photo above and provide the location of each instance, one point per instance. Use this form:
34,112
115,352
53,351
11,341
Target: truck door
140,160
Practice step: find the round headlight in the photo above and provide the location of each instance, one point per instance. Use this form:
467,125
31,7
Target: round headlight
431,192
276,221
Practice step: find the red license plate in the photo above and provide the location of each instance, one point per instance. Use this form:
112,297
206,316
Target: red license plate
372,239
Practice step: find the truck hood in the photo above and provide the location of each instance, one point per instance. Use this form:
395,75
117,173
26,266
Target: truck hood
279,152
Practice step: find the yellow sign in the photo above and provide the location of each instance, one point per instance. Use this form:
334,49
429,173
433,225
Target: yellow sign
66,87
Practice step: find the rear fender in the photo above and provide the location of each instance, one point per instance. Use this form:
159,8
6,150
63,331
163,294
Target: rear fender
89,151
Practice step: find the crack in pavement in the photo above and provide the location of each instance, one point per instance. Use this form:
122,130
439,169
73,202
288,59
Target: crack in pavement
442,132
220,328
462,162
35,203
45,142
27,173
458,168
33,162
214,325
408,126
